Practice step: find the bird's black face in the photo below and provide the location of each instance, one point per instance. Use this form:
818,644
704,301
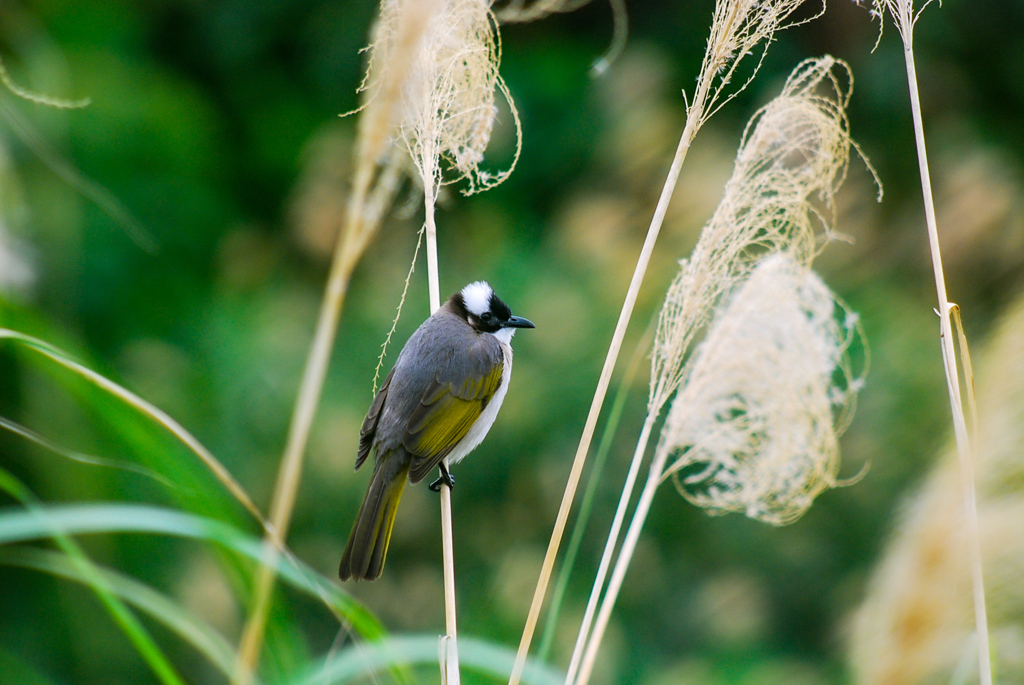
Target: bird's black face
485,311
491,320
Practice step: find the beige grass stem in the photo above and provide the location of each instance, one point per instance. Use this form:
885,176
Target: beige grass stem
447,110
765,207
737,28
905,18
448,650
609,548
397,40
953,384
347,253
602,390
619,573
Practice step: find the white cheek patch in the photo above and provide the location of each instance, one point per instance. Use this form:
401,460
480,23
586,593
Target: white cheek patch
477,297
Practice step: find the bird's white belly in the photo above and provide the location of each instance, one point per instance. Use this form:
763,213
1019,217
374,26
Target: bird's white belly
478,431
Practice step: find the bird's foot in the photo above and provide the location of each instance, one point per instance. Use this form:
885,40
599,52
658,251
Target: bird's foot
445,478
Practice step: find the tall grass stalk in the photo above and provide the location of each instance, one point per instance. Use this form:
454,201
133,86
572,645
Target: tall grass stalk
904,16
796,146
593,482
738,26
431,86
450,108
448,649
379,168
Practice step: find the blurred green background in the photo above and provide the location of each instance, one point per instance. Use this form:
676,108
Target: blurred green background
215,126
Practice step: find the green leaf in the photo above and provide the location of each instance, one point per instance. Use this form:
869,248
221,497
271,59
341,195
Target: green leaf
19,525
15,670
191,629
164,463
196,480
125,619
480,656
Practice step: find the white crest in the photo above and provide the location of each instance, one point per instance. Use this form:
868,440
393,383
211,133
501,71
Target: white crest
477,297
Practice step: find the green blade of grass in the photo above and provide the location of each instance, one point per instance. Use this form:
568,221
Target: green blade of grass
157,605
122,615
20,525
162,446
480,656
82,457
143,407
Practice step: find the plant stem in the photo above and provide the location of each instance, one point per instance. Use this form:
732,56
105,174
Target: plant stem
692,124
449,647
622,564
609,547
593,482
952,377
346,255
449,652
431,231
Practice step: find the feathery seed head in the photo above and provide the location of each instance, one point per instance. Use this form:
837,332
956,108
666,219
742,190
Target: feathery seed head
794,150
755,427
760,403
903,15
430,83
448,103
737,27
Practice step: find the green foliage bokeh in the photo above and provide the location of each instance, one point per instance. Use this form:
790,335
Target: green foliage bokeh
214,127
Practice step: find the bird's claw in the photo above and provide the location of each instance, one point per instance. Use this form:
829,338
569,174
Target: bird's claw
445,478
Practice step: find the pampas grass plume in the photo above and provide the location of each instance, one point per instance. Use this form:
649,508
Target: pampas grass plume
753,429
905,18
774,215
795,150
448,98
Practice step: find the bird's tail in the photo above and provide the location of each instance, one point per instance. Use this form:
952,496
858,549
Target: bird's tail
367,546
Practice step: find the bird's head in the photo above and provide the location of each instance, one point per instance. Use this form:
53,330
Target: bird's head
486,312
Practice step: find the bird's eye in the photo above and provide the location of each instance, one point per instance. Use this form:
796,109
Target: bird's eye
487,317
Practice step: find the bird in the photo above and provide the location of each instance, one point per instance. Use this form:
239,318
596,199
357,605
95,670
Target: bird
435,406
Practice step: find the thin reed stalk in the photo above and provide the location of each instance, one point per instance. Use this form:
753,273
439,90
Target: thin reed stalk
609,549
378,174
347,253
597,403
902,12
611,428
395,68
738,26
798,146
448,110
448,651
589,657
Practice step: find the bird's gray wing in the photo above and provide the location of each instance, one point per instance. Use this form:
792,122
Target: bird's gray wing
452,403
369,429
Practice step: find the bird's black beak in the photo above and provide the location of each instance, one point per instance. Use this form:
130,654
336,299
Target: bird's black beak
517,322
